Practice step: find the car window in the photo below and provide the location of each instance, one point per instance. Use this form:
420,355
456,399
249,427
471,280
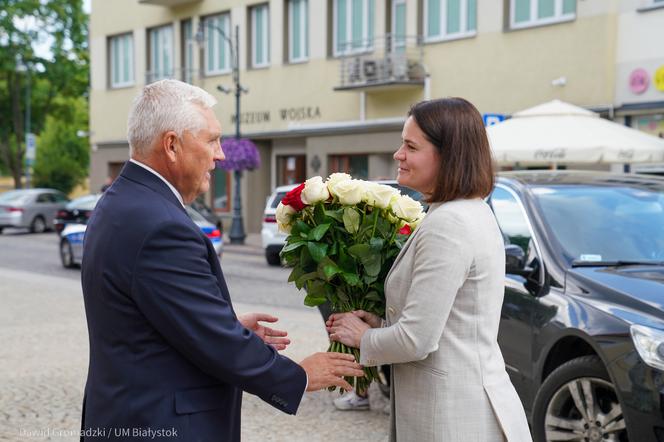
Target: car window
60,198
45,198
87,202
511,219
195,216
15,197
604,223
277,199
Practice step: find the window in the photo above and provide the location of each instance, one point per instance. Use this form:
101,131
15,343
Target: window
449,19
221,200
298,30
160,65
260,38
217,56
353,26
527,13
121,60
187,51
511,219
355,165
291,169
398,24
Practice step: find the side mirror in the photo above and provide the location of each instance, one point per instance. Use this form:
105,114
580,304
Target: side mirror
515,260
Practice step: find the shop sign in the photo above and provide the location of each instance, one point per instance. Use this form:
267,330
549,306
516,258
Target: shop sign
658,79
638,81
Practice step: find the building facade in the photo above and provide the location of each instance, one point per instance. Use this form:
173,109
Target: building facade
329,82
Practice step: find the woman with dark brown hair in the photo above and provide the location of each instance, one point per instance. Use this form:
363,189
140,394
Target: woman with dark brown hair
444,292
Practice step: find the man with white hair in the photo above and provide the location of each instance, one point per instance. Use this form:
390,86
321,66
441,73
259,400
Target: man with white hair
169,358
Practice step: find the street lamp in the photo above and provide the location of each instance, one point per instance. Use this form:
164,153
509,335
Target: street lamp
237,234
22,67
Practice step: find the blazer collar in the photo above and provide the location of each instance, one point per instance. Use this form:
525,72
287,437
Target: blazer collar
143,176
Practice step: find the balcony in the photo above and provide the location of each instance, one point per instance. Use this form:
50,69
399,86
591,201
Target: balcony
386,63
169,3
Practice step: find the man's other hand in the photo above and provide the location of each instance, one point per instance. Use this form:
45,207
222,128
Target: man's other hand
327,369
273,337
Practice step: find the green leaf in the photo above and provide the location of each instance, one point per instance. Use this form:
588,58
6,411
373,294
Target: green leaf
317,250
318,232
376,244
351,219
314,301
335,214
302,227
293,246
351,279
295,274
372,265
372,296
360,251
328,268
302,280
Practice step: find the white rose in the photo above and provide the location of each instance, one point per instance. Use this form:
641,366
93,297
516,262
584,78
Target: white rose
336,178
415,224
349,192
283,215
379,195
406,208
314,191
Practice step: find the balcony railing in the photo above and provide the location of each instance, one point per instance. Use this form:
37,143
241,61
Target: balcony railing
185,74
169,3
386,62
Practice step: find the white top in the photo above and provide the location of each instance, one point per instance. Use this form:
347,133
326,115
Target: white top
170,186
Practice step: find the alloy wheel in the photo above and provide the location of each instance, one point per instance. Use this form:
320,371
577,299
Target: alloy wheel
585,409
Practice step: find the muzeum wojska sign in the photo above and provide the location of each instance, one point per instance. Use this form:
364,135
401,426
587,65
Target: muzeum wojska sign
284,114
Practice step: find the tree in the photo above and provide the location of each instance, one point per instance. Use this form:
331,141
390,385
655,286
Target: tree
64,73
62,156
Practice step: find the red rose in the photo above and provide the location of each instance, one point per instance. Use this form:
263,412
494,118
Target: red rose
405,230
293,198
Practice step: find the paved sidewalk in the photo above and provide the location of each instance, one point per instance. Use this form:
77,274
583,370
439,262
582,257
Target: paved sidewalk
252,245
44,357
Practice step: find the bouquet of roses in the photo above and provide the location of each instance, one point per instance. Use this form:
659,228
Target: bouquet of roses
344,235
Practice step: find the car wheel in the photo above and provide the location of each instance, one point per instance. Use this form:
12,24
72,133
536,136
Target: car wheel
578,402
38,225
1,228
66,254
273,258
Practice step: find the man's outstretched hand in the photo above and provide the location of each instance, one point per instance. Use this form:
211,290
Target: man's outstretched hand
327,369
273,337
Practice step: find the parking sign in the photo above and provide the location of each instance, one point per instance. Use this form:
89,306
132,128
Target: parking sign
491,119
30,146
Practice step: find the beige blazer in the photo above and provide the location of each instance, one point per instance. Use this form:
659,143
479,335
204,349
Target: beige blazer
444,295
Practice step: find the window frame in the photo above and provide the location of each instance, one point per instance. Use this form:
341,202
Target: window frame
187,49
257,64
153,32
444,35
304,32
226,57
558,16
367,24
131,81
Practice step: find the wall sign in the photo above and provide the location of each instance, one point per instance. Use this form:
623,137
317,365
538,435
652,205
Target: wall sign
658,78
639,81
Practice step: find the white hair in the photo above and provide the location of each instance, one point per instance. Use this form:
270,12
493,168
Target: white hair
164,106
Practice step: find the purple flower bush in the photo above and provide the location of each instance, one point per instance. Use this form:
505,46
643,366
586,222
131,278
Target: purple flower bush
241,154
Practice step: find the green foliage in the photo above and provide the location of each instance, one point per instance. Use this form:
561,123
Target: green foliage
52,79
63,157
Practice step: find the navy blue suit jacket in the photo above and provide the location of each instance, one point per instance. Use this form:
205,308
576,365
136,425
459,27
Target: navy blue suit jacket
166,349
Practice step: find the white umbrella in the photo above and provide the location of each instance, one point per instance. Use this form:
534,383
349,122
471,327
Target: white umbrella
558,132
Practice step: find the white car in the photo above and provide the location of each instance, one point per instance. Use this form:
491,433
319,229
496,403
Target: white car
273,240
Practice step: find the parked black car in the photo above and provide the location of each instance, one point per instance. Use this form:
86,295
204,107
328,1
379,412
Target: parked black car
582,325
77,211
